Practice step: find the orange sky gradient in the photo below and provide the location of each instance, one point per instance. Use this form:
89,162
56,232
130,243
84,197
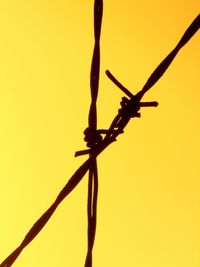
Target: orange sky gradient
148,206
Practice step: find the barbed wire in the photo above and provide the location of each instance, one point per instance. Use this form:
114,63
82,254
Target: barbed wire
92,137
129,109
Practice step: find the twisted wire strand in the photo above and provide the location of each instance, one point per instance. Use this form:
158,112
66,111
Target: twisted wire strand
163,66
92,211
92,121
82,170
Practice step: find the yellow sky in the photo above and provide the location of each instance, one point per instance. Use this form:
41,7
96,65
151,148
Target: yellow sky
148,208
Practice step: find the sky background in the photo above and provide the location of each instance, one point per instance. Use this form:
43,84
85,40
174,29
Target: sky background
148,206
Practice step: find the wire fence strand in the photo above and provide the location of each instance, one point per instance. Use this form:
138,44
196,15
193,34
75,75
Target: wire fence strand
92,120
111,135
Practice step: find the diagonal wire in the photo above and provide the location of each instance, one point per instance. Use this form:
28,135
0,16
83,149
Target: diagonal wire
82,170
157,73
162,67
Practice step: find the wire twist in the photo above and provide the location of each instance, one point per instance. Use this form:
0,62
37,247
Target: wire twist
92,136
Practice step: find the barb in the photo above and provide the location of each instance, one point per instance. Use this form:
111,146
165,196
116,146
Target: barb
118,84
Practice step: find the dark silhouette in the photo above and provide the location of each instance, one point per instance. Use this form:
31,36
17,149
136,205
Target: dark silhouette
129,109
92,137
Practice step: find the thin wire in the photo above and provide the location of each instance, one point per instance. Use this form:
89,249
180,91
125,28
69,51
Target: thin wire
81,171
40,223
155,76
92,211
92,120
162,67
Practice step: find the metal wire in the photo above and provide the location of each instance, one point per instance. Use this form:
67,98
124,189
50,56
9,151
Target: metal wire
92,120
111,135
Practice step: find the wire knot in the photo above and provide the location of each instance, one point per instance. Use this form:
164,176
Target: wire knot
92,137
129,107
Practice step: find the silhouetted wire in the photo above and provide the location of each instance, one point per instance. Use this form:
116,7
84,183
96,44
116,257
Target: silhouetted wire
154,77
92,201
116,82
40,223
93,139
110,137
162,67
